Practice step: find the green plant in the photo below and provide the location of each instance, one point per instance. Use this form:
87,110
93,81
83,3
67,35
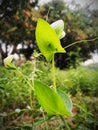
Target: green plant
52,101
49,44
55,102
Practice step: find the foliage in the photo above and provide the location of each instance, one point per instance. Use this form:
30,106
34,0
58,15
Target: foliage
13,89
48,42
14,93
17,22
23,90
83,79
54,102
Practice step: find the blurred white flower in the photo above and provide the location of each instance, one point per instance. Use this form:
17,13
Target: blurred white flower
58,27
7,62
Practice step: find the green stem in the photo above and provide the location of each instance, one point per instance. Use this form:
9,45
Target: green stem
24,78
53,74
31,88
34,70
80,42
65,123
47,14
45,121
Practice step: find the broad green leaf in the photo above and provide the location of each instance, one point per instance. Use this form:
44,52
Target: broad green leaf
51,102
47,40
66,100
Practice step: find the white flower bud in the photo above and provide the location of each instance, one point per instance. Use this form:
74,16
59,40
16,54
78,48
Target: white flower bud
7,62
58,27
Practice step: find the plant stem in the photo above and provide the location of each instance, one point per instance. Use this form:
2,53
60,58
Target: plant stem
47,14
34,70
53,74
31,88
46,126
80,42
65,123
24,78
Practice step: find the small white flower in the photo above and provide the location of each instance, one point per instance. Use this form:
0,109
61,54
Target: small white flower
7,62
58,27
28,107
17,110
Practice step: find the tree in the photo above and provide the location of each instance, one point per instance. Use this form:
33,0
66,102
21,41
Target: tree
17,24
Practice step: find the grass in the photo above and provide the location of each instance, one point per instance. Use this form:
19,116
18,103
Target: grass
81,79
80,83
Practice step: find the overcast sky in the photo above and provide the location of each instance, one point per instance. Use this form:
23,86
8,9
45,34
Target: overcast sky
94,4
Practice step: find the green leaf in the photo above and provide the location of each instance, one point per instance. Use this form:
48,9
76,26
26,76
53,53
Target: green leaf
47,40
51,102
66,100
